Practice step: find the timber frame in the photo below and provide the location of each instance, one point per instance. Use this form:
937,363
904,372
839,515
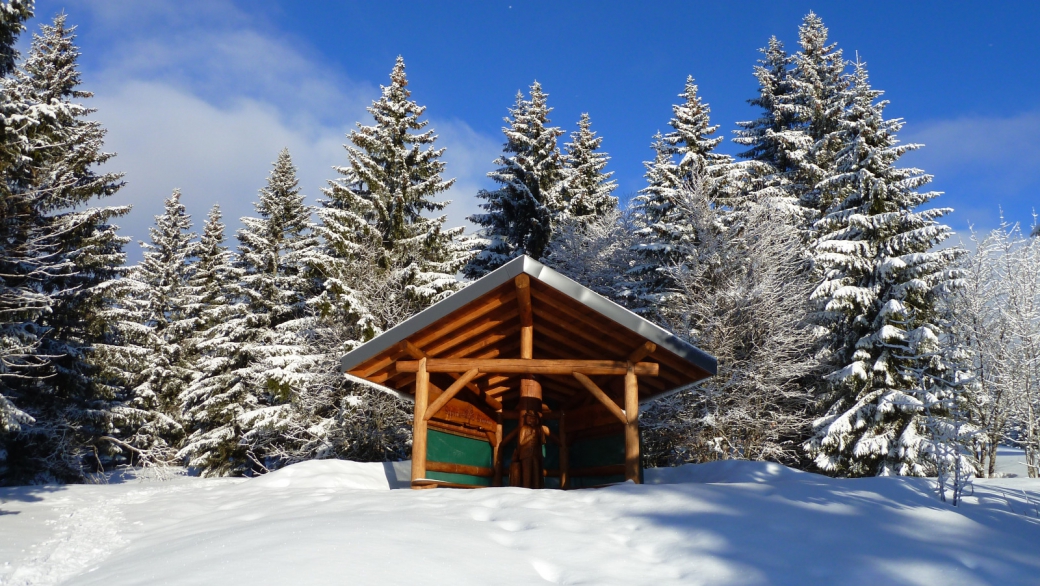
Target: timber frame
525,339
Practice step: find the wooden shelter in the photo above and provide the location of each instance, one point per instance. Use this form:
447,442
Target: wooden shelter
525,355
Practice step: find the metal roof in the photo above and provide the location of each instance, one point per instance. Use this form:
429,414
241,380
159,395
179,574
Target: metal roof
536,270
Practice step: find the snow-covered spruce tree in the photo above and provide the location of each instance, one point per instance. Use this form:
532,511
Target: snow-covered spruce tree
209,279
256,359
772,138
67,154
663,236
879,292
74,249
586,190
382,260
519,216
155,326
815,100
390,182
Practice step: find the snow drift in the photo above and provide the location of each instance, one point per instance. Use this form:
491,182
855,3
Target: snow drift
334,522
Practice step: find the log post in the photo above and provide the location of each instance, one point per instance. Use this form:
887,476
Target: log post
523,300
422,396
496,455
632,460
565,454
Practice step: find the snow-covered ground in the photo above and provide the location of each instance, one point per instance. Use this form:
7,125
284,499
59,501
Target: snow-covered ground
335,522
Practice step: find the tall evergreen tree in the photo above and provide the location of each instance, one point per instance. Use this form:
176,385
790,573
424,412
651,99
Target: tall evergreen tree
257,354
664,234
156,326
881,280
519,216
816,101
211,274
587,188
769,137
73,246
390,183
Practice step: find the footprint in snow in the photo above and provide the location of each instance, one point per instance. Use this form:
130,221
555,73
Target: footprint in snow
547,571
481,514
513,526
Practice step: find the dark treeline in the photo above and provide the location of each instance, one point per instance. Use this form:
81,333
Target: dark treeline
849,341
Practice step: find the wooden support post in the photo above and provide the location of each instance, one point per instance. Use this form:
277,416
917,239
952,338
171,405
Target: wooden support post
603,398
422,392
523,299
565,453
530,396
632,459
496,454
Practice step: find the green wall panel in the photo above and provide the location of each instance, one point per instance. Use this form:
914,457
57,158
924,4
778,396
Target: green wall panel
455,449
600,451
445,447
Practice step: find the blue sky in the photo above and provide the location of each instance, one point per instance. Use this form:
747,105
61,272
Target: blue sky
201,95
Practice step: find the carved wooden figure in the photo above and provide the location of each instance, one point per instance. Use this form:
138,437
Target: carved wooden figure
529,452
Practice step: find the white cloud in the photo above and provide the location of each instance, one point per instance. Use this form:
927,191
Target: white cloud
1009,147
985,165
201,96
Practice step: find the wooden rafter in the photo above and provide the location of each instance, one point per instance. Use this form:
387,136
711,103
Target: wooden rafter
645,349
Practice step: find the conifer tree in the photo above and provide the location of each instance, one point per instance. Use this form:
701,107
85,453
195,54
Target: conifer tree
390,182
663,234
255,358
69,244
881,280
772,136
155,323
816,101
587,188
518,217
211,275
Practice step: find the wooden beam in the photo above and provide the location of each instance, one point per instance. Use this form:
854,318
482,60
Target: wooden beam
452,468
523,301
417,353
450,392
632,461
456,429
603,398
646,349
422,384
430,483
463,320
522,366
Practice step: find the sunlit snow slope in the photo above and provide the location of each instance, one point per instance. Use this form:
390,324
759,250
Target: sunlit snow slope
334,522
